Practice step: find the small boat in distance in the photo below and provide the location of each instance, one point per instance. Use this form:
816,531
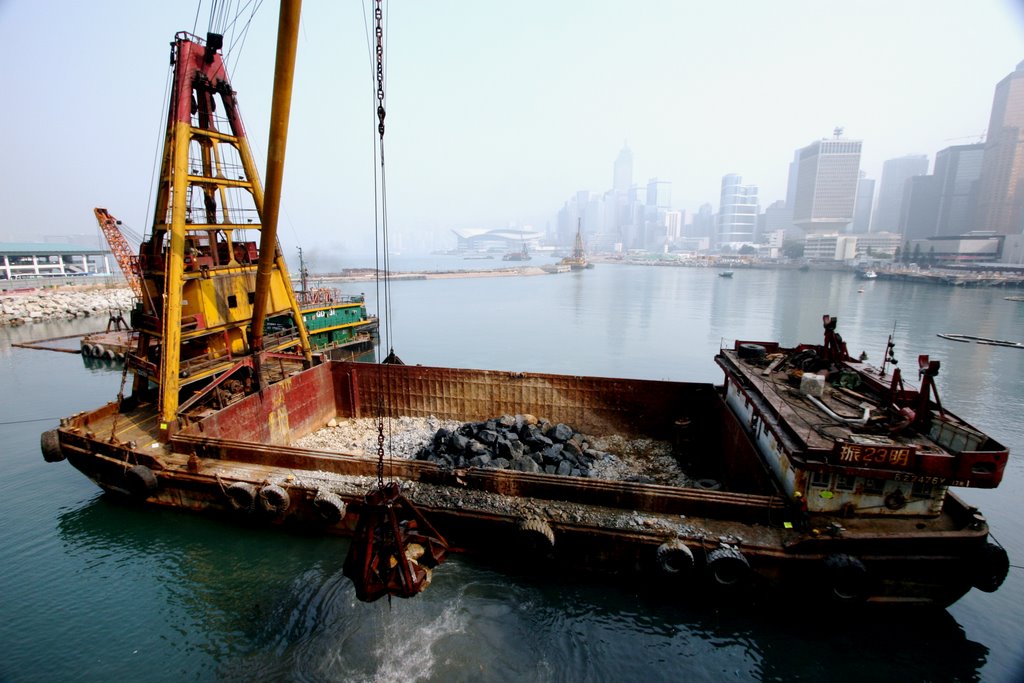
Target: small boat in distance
867,274
578,259
521,255
725,273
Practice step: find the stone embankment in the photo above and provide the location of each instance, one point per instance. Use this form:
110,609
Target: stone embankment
63,304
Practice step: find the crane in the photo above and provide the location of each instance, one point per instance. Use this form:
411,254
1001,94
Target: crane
126,260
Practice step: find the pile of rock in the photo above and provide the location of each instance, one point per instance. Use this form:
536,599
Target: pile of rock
62,304
518,442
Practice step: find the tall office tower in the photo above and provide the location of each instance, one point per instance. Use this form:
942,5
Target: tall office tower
737,212
895,173
862,207
703,224
622,184
622,174
826,184
958,170
1001,187
919,208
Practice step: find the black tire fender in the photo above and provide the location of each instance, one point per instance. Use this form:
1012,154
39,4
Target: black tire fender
242,496
140,481
331,508
989,568
536,535
49,443
674,558
727,566
708,484
274,499
751,351
846,578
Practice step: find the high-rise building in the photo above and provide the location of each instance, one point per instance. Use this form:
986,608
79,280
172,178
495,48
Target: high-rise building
957,171
1000,207
776,218
919,209
862,207
703,223
622,173
737,212
895,173
826,184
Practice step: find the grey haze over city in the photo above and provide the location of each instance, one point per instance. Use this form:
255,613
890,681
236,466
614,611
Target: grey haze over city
499,114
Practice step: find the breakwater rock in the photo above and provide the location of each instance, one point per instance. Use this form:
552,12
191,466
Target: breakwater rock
63,304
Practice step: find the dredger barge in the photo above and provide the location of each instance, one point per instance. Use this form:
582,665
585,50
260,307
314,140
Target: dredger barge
806,470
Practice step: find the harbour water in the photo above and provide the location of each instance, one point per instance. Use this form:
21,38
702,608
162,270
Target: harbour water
93,590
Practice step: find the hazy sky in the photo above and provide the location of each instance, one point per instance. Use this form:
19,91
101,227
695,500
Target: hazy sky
497,111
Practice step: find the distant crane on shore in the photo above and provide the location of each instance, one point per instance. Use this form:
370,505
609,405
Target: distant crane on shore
127,260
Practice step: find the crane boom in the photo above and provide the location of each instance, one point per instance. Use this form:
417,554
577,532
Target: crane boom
126,260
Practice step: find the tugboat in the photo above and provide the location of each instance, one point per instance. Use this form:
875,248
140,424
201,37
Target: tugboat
806,473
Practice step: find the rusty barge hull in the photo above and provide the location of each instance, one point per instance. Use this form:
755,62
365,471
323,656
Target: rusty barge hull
736,541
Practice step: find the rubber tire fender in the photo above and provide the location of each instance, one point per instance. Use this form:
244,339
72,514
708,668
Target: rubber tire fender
274,499
751,351
728,567
86,350
846,578
49,443
674,558
331,508
98,350
536,535
108,354
140,481
989,568
242,496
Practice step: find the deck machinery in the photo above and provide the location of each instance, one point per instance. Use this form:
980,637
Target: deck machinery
208,288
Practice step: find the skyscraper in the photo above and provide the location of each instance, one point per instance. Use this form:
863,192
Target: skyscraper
919,209
622,185
862,208
622,174
826,184
958,170
737,212
895,173
1001,186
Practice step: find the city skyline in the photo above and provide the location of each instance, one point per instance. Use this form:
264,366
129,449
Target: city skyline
497,114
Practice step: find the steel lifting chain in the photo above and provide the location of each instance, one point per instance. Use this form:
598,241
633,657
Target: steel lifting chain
378,30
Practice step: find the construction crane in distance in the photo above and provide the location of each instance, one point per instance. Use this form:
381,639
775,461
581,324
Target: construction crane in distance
127,261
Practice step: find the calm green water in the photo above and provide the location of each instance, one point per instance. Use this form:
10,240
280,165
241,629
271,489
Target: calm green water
94,591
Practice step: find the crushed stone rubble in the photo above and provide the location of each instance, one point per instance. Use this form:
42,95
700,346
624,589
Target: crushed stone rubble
519,442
